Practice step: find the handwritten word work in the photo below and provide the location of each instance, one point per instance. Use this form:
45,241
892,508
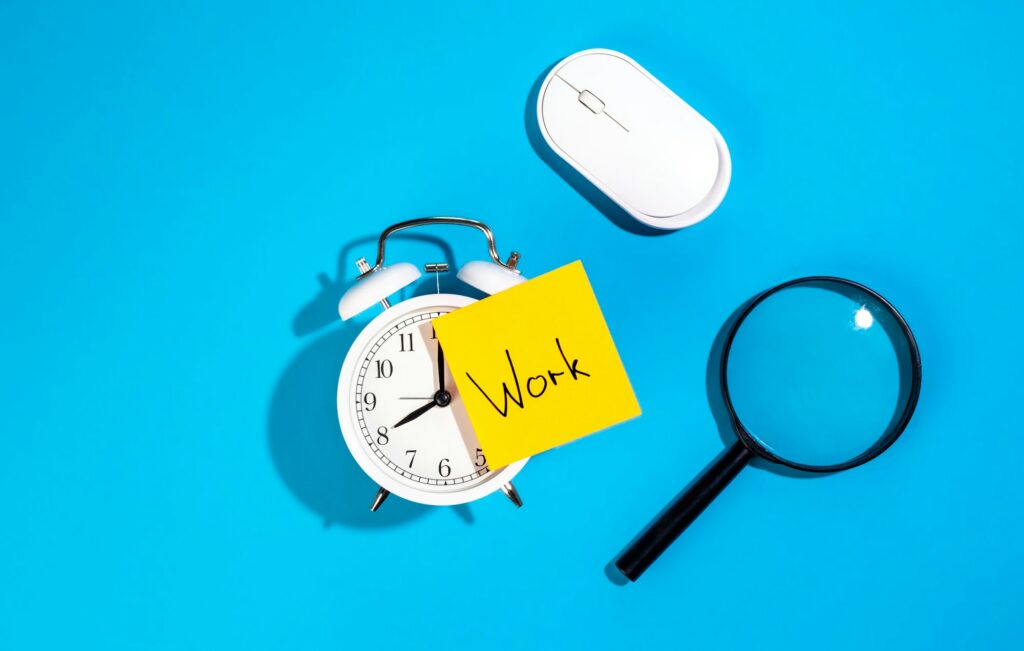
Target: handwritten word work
536,366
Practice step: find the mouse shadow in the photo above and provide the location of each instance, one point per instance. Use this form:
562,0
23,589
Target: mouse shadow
304,436
599,200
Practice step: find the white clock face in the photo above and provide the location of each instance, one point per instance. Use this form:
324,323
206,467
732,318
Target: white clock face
404,410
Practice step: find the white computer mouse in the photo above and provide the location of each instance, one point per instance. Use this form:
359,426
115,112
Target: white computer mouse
633,138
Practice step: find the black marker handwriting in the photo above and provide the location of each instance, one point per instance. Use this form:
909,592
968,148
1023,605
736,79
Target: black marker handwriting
536,385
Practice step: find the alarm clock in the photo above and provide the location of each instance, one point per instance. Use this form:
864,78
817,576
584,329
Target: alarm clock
400,411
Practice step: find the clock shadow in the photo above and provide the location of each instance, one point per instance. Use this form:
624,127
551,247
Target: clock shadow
304,437
470,443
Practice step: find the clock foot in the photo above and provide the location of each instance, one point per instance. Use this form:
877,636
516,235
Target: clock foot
382,495
511,493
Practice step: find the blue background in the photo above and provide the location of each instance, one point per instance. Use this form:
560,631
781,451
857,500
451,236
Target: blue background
174,180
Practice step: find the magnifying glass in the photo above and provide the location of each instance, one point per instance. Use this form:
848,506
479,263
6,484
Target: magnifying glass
818,374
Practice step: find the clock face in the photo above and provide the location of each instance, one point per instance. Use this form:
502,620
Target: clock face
408,416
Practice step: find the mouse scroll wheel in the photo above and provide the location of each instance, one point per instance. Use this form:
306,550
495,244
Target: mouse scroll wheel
591,101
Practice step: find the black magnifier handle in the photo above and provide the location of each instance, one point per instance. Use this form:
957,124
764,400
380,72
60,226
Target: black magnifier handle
681,512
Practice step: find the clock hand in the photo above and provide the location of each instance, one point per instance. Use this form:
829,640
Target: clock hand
417,413
441,399
440,368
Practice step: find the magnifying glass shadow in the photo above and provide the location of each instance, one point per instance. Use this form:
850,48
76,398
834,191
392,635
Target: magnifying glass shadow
723,422
682,510
716,401
610,570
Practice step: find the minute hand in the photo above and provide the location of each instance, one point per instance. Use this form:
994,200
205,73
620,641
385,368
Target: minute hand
440,367
416,414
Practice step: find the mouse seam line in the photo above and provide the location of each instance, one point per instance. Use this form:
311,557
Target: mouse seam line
567,83
622,126
616,121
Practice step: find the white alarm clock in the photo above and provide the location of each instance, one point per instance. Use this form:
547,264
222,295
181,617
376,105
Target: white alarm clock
400,412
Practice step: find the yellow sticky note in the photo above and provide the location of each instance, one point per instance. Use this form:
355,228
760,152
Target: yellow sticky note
536,366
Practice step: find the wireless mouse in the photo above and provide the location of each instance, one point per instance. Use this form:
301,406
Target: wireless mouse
634,139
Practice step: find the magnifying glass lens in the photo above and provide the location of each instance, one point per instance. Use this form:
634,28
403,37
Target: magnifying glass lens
819,374
814,373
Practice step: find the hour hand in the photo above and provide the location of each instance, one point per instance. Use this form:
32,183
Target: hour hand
417,413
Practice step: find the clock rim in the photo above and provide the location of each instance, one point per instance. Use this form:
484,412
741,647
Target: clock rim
350,426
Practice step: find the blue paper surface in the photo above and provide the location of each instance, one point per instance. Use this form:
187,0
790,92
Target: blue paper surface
174,179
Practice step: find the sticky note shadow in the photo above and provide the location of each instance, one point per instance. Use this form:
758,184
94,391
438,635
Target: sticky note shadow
548,376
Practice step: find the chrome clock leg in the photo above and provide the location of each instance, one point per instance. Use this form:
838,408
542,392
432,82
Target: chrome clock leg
511,493
382,495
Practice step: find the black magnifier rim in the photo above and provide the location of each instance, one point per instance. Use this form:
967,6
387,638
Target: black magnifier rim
891,434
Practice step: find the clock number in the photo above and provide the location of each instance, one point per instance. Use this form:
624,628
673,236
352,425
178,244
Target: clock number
382,435
385,368
411,458
443,468
481,460
402,339
370,401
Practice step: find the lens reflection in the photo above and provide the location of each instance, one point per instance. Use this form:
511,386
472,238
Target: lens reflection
814,372
863,319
